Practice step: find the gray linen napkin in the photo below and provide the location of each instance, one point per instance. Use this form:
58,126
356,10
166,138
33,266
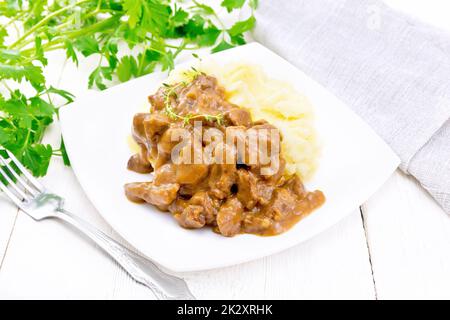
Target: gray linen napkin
390,69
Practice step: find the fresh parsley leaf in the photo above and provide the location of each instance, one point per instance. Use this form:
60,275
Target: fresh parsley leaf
87,45
134,11
36,158
209,37
167,61
238,39
204,8
242,26
64,154
179,18
39,51
147,62
5,134
151,15
127,68
3,35
19,72
111,46
195,26
41,108
106,73
25,111
62,93
70,52
19,110
96,78
232,4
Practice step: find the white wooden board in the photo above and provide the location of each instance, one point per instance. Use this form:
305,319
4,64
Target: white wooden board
409,239
407,233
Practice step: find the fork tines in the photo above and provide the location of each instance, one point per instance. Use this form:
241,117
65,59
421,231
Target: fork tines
25,188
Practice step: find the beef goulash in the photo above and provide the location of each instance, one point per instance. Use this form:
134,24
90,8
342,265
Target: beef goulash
232,198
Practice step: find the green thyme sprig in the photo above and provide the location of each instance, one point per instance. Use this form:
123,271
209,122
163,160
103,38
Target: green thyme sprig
171,92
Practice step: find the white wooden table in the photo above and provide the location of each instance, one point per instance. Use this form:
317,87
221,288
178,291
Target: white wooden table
397,245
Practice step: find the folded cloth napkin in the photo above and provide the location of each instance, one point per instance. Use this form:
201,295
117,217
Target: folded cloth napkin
390,69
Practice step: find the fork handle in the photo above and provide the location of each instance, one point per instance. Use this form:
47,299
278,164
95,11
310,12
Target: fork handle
163,285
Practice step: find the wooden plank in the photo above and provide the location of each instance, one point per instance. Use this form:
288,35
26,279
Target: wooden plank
8,214
409,238
333,265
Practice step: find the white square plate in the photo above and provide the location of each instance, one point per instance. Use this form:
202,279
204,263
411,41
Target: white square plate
355,163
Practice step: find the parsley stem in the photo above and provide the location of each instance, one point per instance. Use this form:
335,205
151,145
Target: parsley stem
44,21
185,48
10,122
70,21
141,63
102,25
25,144
7,86
180,48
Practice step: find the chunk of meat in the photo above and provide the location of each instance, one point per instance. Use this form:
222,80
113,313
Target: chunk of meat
139,164
191,173
157,99
283,204
267,151
256,223
177,206
165,174
222,177
210,205
159,196
166,142
188,190
246,184
204,96
295,185
192,217
263,124
229,217
236,148
155,124
139,128
252,191
259,122
275,170
238,117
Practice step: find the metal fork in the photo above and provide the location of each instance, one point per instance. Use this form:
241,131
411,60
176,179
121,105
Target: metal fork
39,203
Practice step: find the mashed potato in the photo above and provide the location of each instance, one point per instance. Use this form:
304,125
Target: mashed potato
278,102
